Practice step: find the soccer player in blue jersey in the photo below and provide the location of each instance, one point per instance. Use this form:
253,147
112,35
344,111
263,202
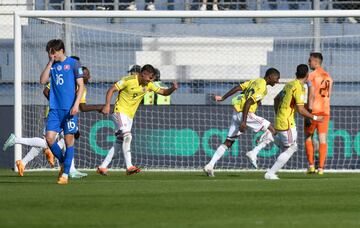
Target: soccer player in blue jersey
66,89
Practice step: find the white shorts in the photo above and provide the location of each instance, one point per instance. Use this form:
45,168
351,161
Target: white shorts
123,123
286,138
256,123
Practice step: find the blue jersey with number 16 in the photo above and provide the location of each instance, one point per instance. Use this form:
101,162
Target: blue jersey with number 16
63,77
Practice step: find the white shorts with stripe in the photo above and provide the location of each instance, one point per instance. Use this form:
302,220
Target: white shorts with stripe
256,123
286,138
122,122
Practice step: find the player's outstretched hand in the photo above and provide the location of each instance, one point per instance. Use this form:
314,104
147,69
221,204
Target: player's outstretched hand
106,109
218,98
74,110
175,85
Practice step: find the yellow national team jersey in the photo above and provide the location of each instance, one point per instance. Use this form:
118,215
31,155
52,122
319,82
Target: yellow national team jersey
83,98
254,89
131,94
292,94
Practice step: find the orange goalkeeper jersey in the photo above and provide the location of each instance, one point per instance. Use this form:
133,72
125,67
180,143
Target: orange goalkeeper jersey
321,81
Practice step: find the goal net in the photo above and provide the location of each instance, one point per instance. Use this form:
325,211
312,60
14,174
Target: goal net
206,56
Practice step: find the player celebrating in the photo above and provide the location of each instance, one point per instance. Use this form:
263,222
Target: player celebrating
66,90
131,91
291,98
244,115
320,85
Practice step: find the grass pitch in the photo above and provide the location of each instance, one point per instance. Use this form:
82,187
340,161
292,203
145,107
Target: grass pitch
178,199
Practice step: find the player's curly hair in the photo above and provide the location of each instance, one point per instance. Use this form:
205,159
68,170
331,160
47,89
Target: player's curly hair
149,68
272,71
55,44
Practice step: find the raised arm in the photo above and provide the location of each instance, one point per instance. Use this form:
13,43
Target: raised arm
167,92
228,94
44,77
109,94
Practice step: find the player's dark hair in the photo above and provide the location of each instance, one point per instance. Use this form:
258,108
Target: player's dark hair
272,71
85,68
157,74
75,57
55,44
316,55
149,68
301,71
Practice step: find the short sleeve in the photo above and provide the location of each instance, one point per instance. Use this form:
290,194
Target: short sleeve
299,95
120,85
153,87
78,72
244,85
83,98
259,91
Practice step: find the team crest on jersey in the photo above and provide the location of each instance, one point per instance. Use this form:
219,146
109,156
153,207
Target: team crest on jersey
59,67
67,67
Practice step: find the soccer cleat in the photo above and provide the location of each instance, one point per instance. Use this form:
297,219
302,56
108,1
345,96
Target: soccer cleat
77,175
271,176
49,157
63,180
132,170
209,171
9,142
102,171
61,171
252,159
320,171
311,170
21,168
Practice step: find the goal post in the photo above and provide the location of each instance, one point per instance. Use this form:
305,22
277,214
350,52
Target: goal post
186,129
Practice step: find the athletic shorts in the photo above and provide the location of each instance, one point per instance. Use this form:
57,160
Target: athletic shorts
256,123
60,119
322,127
123,123
286,138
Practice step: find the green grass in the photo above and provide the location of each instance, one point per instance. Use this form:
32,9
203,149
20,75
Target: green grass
173,199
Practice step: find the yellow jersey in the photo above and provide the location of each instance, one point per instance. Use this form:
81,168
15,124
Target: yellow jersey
292,94
254,89
131,94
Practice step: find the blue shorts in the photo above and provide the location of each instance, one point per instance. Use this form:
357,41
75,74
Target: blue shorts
60,119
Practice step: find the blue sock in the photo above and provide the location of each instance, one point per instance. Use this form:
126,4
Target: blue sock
56,150
69,155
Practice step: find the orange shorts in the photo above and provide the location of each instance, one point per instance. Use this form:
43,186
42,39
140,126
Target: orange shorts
322,127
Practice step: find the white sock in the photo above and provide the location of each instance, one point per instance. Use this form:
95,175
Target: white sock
126,146
34,142
217,155
282,159
108,158
34,151
72,167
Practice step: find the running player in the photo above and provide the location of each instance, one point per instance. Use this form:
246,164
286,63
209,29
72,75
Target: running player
244,114
131,90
